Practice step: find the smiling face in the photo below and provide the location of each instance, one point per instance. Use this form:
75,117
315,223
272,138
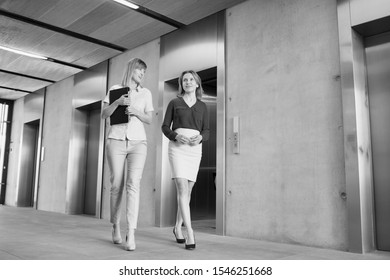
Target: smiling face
138,74
189,83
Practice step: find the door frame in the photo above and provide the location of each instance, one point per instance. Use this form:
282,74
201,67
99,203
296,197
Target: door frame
356,123
201,31
220,207
3,185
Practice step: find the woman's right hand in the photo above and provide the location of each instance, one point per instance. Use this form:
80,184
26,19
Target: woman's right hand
123,100
182,139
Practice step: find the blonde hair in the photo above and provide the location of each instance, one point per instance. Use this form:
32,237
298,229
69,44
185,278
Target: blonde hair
135,63
198,80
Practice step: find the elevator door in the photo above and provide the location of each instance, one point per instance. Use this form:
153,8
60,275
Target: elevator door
203,197
28,165
91,168
5,135
378,73
203,201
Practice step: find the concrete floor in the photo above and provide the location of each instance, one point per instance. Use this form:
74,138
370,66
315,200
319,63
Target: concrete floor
28,234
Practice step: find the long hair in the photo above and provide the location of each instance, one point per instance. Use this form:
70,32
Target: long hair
135,63
199,89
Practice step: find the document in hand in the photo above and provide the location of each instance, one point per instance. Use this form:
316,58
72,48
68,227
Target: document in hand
119,116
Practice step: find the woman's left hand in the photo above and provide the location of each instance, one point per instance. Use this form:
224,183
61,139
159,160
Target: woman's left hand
131,111
195,140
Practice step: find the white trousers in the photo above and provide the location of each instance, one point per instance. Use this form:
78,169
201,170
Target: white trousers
132,154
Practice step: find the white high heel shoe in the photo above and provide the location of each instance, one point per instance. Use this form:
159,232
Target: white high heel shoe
116,235
130,242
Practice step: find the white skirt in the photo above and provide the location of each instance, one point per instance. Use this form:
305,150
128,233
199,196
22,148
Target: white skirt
183,158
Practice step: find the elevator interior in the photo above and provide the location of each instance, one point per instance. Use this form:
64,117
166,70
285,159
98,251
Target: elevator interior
377,50
203,198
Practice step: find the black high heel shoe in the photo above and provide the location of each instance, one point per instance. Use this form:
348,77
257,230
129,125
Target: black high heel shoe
191,246
178,240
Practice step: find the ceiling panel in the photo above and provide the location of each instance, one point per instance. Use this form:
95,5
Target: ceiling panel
100,16
30,8
36,67
78,50
141,2
95,57
25,37
144,34
60,13
29,84
11,94
67,48
83,33
131,30
65,13
188,11
21,36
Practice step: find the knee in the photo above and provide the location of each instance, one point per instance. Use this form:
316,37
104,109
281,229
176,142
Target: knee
133,185
116,182
115,189
182,190
116,185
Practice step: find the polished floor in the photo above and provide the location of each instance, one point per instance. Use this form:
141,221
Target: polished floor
28,234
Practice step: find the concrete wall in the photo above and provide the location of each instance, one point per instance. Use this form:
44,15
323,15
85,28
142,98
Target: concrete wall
283,82
56,137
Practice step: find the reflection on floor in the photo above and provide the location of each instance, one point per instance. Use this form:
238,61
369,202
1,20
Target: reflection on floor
206,226
203,221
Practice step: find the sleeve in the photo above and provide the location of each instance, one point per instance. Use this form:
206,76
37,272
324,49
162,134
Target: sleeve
166,126
149,102
205,126
107,98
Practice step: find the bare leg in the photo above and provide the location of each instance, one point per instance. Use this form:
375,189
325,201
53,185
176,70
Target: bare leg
179,218
184,214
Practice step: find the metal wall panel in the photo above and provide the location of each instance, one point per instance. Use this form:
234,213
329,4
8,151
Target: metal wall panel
85,167
363,11
77,163
33,106
378,70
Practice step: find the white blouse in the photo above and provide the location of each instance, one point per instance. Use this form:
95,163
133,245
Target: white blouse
141,99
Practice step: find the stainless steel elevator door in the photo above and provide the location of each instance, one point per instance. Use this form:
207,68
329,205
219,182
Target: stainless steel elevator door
91,167
378,74
28,165
203,197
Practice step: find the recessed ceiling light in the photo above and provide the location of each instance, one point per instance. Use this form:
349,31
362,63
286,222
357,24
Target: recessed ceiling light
22,53
128,4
